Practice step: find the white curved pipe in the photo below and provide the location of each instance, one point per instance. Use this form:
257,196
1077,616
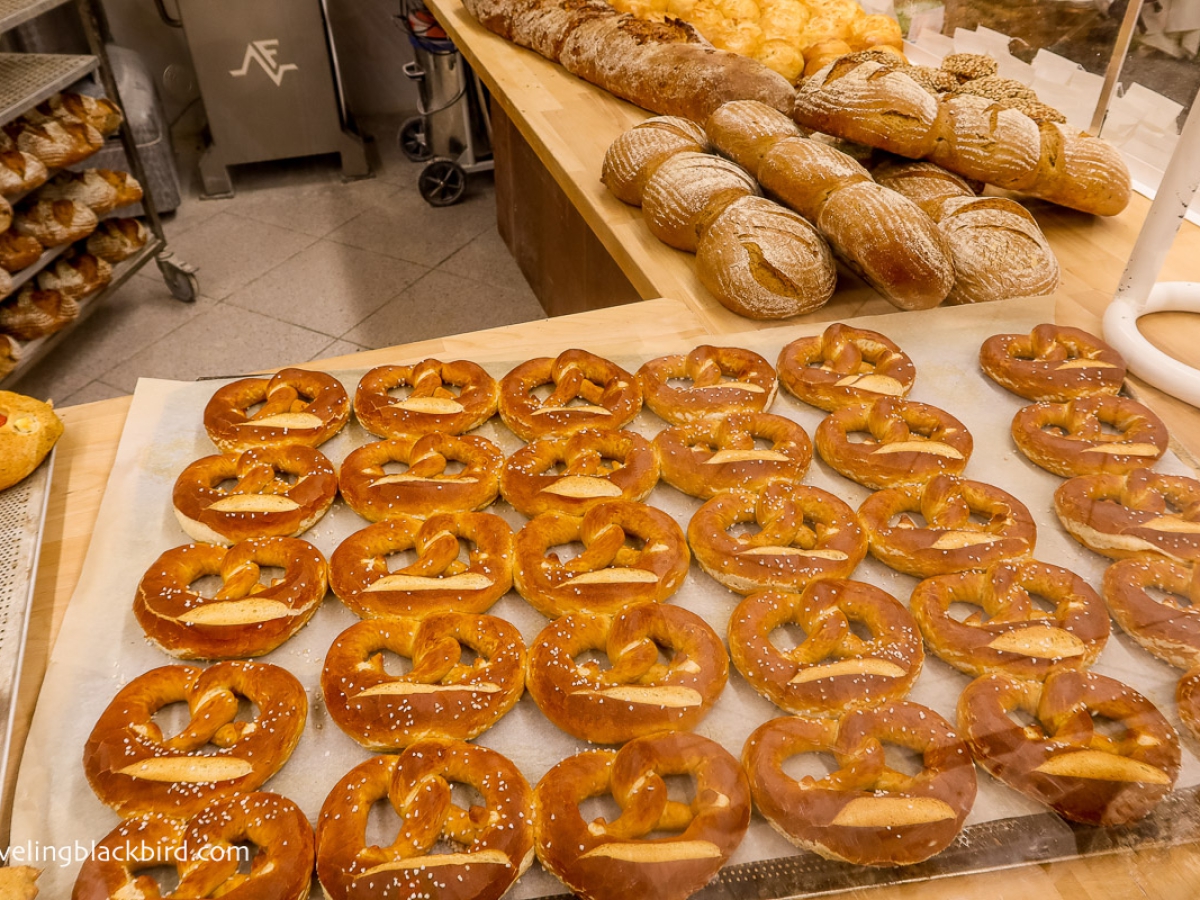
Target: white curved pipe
1144,359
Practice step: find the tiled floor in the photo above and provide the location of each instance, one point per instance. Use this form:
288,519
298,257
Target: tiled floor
298,266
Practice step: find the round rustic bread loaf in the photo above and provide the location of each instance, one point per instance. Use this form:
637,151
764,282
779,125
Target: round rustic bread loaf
637,153
687,192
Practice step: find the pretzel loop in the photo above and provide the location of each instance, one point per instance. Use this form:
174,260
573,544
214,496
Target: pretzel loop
1070,438
443,398
586,392
845,365
724,380
1053,362
1166,626
296,406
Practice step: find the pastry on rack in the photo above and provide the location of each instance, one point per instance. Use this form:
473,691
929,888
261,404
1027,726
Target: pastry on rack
36,313
10,354
1090,436
708,381
293,406
18,251
442,398
20,172
75,275
29,429
57,142
101,190
98,112
844,365
118,239
1053,363
55,222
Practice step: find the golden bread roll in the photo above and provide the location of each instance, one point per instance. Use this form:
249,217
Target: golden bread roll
745,130
28,431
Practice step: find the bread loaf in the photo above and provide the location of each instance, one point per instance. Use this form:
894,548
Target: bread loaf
6,283
744,130
117,239
10,354
637,153
687,192
54,222
98,112
35,313
18,251
56,142
6,214
20,172
75,276
101,190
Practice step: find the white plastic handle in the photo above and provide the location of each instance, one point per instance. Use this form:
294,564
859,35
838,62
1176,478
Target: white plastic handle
1144,359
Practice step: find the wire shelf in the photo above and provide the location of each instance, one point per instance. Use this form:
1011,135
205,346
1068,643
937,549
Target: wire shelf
26,79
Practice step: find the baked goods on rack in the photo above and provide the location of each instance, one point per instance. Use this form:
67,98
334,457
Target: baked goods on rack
18,251
634,694
75,275
54,222
723,380
118,239
634,157
29,429
586,392
57,142
99,112
865,812
35,313
101,190
6,284
10,354
1166,622
443,398
1090,436
293,406
1053,362
20,172
844,365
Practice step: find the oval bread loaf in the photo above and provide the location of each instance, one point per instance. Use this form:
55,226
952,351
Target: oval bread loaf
637,153
687,192
745,130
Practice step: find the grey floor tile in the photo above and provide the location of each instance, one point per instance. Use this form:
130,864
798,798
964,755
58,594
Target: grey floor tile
339,348
487,259
387,160
313,209
92,393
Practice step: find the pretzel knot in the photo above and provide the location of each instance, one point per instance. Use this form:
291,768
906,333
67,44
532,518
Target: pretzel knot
297,407
204,852
616,860
437,581
804,534
1062,759
279,492
134,769
721,454
443,398
906,442
1052,362
635,694
441,696
1187,701
845,365
587,392
244,618
723,380
865,812
572,474
632,553
1010,633
494,840
1167,626
1134,514
1071,439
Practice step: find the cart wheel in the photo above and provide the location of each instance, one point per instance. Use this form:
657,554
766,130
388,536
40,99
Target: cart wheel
442,182
412,139
180,277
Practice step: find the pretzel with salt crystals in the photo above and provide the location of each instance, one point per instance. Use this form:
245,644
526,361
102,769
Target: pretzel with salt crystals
441,696
844,365
1062,759
865,812
1053,362
444,398
634,694
295,406
262,503
1187,701
1166,623
203,852
616,859
244,618
492,840
609,397
1072,439
135,770
437,580
723,380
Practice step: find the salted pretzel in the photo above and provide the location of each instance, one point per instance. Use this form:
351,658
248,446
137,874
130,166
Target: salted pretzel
607,395
845,365
632,553
493,840
425,487
135,770
1062,759
1011,633
905,442
833,670
244,617
950,540
1140,513
723,380
203,851
721,453
617,860
1071,438
443,398
634,694
865,812
294,406
441,696
1167,626
804,534
1052,362
437,580
1187,701
264,502
572,474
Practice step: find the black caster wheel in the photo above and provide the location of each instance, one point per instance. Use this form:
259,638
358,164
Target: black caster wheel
442,182
180,277
413,141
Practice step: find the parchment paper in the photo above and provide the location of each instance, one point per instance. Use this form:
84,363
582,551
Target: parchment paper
101,646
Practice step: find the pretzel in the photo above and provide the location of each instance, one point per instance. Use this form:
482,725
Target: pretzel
805,534
865,812
609,574
133,769
1187,701
437,581
1136,514
572,474
609,396
244,617
494,839
723,380
634,694
1012,634
906,442
425,487
262,503
1163,625
1070,439
617,860
203,851
1052,362
721,454
296,406
1062,759
844,365
951,540
440,697
432,406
